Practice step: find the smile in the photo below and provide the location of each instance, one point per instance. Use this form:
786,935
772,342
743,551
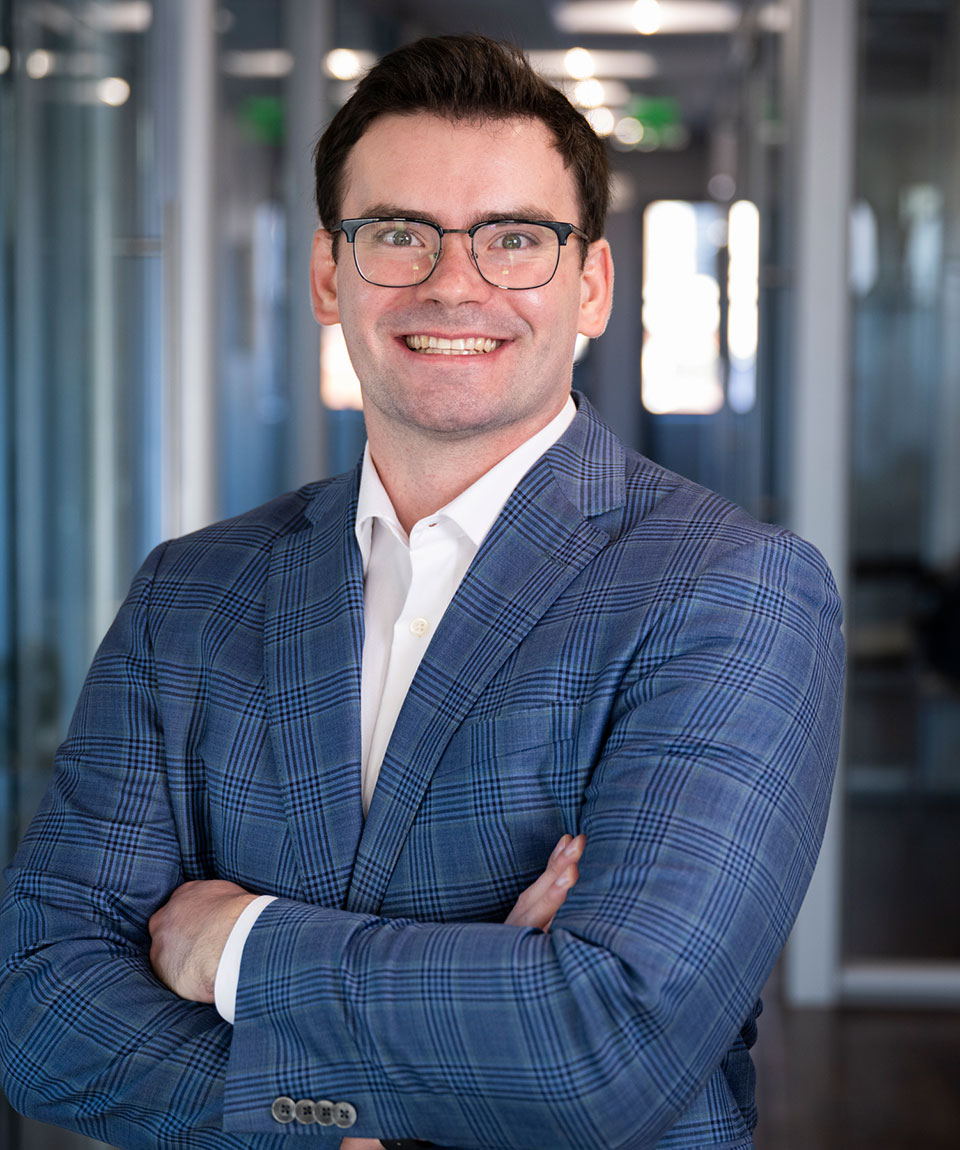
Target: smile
440,345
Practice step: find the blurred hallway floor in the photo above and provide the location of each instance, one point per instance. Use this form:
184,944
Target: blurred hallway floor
857,1079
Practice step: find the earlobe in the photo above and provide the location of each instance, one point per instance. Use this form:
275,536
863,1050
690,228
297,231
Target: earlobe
596,290
323,279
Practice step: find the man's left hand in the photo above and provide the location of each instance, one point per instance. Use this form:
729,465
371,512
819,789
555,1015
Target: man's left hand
188,934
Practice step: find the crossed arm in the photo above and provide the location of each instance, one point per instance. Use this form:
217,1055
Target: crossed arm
188,933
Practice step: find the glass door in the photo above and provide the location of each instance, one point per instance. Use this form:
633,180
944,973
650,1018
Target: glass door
901,903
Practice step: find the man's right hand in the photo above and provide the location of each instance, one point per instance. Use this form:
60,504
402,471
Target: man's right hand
535,906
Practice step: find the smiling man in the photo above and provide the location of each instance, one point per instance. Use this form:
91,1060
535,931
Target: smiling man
285,880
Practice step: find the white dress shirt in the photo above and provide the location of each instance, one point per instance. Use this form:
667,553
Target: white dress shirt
408,583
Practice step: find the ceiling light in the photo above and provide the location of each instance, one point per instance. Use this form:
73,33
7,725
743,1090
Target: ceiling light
601,120
629,131
346,63
39,64
127,16
618,17
588,94
578,63
607,64
113,91
4,59
646,17
264,64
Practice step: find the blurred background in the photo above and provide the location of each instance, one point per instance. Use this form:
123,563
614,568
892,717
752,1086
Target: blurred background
786,231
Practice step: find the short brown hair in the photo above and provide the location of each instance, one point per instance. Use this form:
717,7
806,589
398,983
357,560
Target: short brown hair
470,78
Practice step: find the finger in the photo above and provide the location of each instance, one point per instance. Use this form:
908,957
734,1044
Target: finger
537,905
541,901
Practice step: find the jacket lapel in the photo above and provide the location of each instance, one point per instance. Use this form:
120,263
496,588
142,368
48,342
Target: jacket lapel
547,532
313,644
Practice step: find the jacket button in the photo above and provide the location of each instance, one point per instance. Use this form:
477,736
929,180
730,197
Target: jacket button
323,1112
283,1109
305,1112
344,1115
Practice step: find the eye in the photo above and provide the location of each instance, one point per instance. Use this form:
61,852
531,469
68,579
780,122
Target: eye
513,240
399,235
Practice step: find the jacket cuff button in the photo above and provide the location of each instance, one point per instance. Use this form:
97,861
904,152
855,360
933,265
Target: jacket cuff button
323,1112
283,1109
305,1112
344,1115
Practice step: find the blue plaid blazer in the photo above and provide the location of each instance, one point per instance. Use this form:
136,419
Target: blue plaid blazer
629,656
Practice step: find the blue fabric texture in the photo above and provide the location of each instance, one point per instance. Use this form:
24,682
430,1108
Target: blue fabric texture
629,656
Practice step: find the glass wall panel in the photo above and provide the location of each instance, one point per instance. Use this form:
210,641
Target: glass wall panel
91,252
80,281
903,784
83,433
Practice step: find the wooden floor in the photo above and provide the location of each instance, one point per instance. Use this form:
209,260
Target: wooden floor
857,1079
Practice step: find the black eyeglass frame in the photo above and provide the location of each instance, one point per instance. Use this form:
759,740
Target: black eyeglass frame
563,231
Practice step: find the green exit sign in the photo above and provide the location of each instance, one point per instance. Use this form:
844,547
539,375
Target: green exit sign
658,113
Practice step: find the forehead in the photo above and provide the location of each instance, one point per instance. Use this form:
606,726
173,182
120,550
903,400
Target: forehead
458,170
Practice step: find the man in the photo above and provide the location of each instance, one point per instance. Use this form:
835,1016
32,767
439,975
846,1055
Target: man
383,699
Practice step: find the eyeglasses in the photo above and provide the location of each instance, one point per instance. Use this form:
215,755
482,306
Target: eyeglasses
515,254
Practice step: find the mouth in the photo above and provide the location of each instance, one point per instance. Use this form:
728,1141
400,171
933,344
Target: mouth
460,345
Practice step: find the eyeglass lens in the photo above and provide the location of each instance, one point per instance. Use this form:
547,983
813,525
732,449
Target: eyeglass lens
401,253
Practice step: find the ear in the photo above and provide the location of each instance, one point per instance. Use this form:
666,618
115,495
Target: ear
323,278
596,289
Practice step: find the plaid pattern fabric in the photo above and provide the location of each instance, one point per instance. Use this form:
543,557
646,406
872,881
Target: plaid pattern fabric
629,656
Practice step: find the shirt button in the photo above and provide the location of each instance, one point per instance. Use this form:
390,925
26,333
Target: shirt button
419,627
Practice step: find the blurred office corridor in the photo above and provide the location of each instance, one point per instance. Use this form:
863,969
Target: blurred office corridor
786,232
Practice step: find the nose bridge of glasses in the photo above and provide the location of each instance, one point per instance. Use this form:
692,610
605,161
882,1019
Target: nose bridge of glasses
466,243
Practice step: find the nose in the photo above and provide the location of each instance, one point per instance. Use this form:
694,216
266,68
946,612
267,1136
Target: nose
455,278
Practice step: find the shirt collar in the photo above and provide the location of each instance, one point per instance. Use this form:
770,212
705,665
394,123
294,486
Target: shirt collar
473,510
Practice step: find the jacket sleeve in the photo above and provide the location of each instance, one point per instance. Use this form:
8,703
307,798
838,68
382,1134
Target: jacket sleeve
89,1038
703,816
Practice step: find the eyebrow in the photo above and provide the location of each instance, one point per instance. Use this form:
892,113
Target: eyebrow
517,212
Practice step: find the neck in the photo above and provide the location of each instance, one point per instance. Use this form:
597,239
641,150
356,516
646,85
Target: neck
423,473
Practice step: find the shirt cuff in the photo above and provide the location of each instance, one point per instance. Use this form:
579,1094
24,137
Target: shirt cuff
228,971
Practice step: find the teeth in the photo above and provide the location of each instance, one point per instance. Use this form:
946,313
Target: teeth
440,345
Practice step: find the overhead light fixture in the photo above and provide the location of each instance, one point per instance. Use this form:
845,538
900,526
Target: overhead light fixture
126,16
113,91
588,93
579,64
672,17
39,63
263,64
347,63
602,120
607,64
4,59
593,93
647,17
628,130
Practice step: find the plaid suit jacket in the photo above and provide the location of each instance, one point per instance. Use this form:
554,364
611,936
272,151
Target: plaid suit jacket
629,656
